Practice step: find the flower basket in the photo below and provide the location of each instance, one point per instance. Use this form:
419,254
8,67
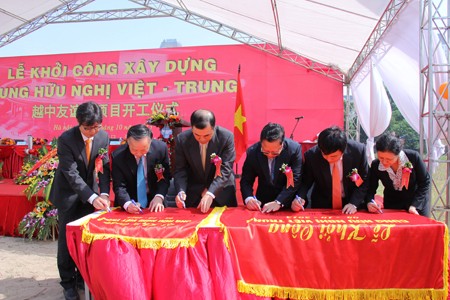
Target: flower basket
41,223
38,172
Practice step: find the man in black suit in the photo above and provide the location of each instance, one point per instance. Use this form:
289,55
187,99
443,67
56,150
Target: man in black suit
195,178
265,160
333,150
75,191
125,160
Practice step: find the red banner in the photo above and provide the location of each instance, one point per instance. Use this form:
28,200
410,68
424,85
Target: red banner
327,255
39,94
116,269
171,229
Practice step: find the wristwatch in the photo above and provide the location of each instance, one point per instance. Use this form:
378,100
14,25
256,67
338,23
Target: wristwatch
279,203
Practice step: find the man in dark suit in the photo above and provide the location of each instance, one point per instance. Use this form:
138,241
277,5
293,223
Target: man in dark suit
265,160
197,180
334,151
156,168
75,191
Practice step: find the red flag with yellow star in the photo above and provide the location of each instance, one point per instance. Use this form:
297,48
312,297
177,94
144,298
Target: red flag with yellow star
240,121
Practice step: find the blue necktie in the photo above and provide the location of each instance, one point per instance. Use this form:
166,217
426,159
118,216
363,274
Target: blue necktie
141,188
272,171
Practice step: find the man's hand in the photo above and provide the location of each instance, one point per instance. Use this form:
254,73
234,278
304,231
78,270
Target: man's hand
102,202
156,205
413,210
179,200
134,207
349,209
298,204
253,204
205,203
271,207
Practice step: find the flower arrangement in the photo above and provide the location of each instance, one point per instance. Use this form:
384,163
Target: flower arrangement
41,222
38,172
217,161
354,176
162,118
287,170
7,142
39,141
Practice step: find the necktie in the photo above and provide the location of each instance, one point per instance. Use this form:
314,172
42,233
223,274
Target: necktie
336,185
88,150
141,187
203,154
271,168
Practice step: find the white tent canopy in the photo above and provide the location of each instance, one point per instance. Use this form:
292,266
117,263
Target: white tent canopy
332,34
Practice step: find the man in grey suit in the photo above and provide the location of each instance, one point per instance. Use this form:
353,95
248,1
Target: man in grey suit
75,191
196,177
125,160
334,151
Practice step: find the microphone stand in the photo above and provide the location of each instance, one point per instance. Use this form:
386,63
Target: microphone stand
296,123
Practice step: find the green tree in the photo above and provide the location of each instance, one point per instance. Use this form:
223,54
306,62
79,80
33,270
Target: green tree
402,129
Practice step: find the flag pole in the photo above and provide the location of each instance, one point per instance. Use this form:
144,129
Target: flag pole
237,168
240,134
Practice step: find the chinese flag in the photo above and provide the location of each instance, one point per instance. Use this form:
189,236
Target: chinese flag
240,121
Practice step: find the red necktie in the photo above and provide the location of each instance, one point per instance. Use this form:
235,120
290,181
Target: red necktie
88,150
336,185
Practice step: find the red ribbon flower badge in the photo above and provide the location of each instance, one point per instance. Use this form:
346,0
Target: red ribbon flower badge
159,171
354,176
406,172
289,175
217,161
102,152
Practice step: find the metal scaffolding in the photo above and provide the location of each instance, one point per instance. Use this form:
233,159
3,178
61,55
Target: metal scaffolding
434,106
41,21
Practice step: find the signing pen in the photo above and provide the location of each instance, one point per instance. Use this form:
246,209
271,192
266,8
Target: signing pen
376,205
135,204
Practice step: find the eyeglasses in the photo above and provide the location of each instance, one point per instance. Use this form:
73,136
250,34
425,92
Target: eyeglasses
91,128
276,153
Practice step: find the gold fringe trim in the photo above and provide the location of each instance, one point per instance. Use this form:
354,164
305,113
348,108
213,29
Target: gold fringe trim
347,294
223,228
151,243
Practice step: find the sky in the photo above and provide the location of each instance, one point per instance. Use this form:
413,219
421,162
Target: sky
111,35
